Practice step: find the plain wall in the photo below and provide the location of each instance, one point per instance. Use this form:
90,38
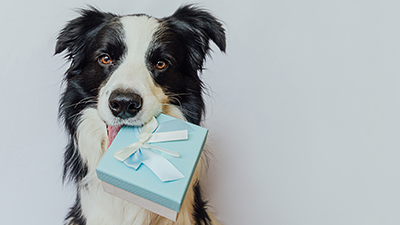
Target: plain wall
303,111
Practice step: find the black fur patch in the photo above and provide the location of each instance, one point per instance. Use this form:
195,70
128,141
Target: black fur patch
84,39
75,214
200,214
183,40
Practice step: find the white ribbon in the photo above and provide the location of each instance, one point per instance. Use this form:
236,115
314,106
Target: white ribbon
137,153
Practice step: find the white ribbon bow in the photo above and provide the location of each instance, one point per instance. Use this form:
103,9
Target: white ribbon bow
159,165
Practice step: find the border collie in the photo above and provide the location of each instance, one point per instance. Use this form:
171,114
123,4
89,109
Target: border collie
124,70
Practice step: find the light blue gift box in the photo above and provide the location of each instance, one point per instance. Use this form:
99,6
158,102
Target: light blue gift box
142,187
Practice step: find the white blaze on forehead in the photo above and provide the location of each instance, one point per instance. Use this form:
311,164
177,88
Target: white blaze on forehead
139,32
132,73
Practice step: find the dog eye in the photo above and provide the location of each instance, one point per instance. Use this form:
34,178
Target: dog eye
105,60
161,65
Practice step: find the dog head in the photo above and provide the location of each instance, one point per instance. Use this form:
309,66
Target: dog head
133,67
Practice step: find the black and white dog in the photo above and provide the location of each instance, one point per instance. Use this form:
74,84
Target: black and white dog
124,70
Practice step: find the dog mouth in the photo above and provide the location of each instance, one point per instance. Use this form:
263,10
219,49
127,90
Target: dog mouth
112,132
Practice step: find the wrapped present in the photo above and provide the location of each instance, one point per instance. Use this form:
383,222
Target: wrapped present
152,166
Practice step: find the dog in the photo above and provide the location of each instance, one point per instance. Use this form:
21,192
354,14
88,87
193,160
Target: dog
123,71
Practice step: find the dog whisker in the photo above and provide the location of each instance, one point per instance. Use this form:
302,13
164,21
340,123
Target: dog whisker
184,111
85,101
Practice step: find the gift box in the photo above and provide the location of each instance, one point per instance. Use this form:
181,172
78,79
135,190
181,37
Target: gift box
152,166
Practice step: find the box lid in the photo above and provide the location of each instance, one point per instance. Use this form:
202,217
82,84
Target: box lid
143,182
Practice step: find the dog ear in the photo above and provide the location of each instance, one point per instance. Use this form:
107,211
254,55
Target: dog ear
197,27
78,31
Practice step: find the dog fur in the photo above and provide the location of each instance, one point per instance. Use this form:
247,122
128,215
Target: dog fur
158,60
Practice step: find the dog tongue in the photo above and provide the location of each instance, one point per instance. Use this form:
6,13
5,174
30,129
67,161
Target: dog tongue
112,132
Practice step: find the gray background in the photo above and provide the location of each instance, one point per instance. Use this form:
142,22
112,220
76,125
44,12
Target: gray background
303,111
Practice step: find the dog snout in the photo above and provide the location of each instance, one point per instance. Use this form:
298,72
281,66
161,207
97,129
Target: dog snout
124,104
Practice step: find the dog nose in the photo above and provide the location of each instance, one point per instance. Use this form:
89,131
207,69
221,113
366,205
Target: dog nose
124,104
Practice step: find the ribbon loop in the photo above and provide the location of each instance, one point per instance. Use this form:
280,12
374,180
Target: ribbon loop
124,153
139,152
